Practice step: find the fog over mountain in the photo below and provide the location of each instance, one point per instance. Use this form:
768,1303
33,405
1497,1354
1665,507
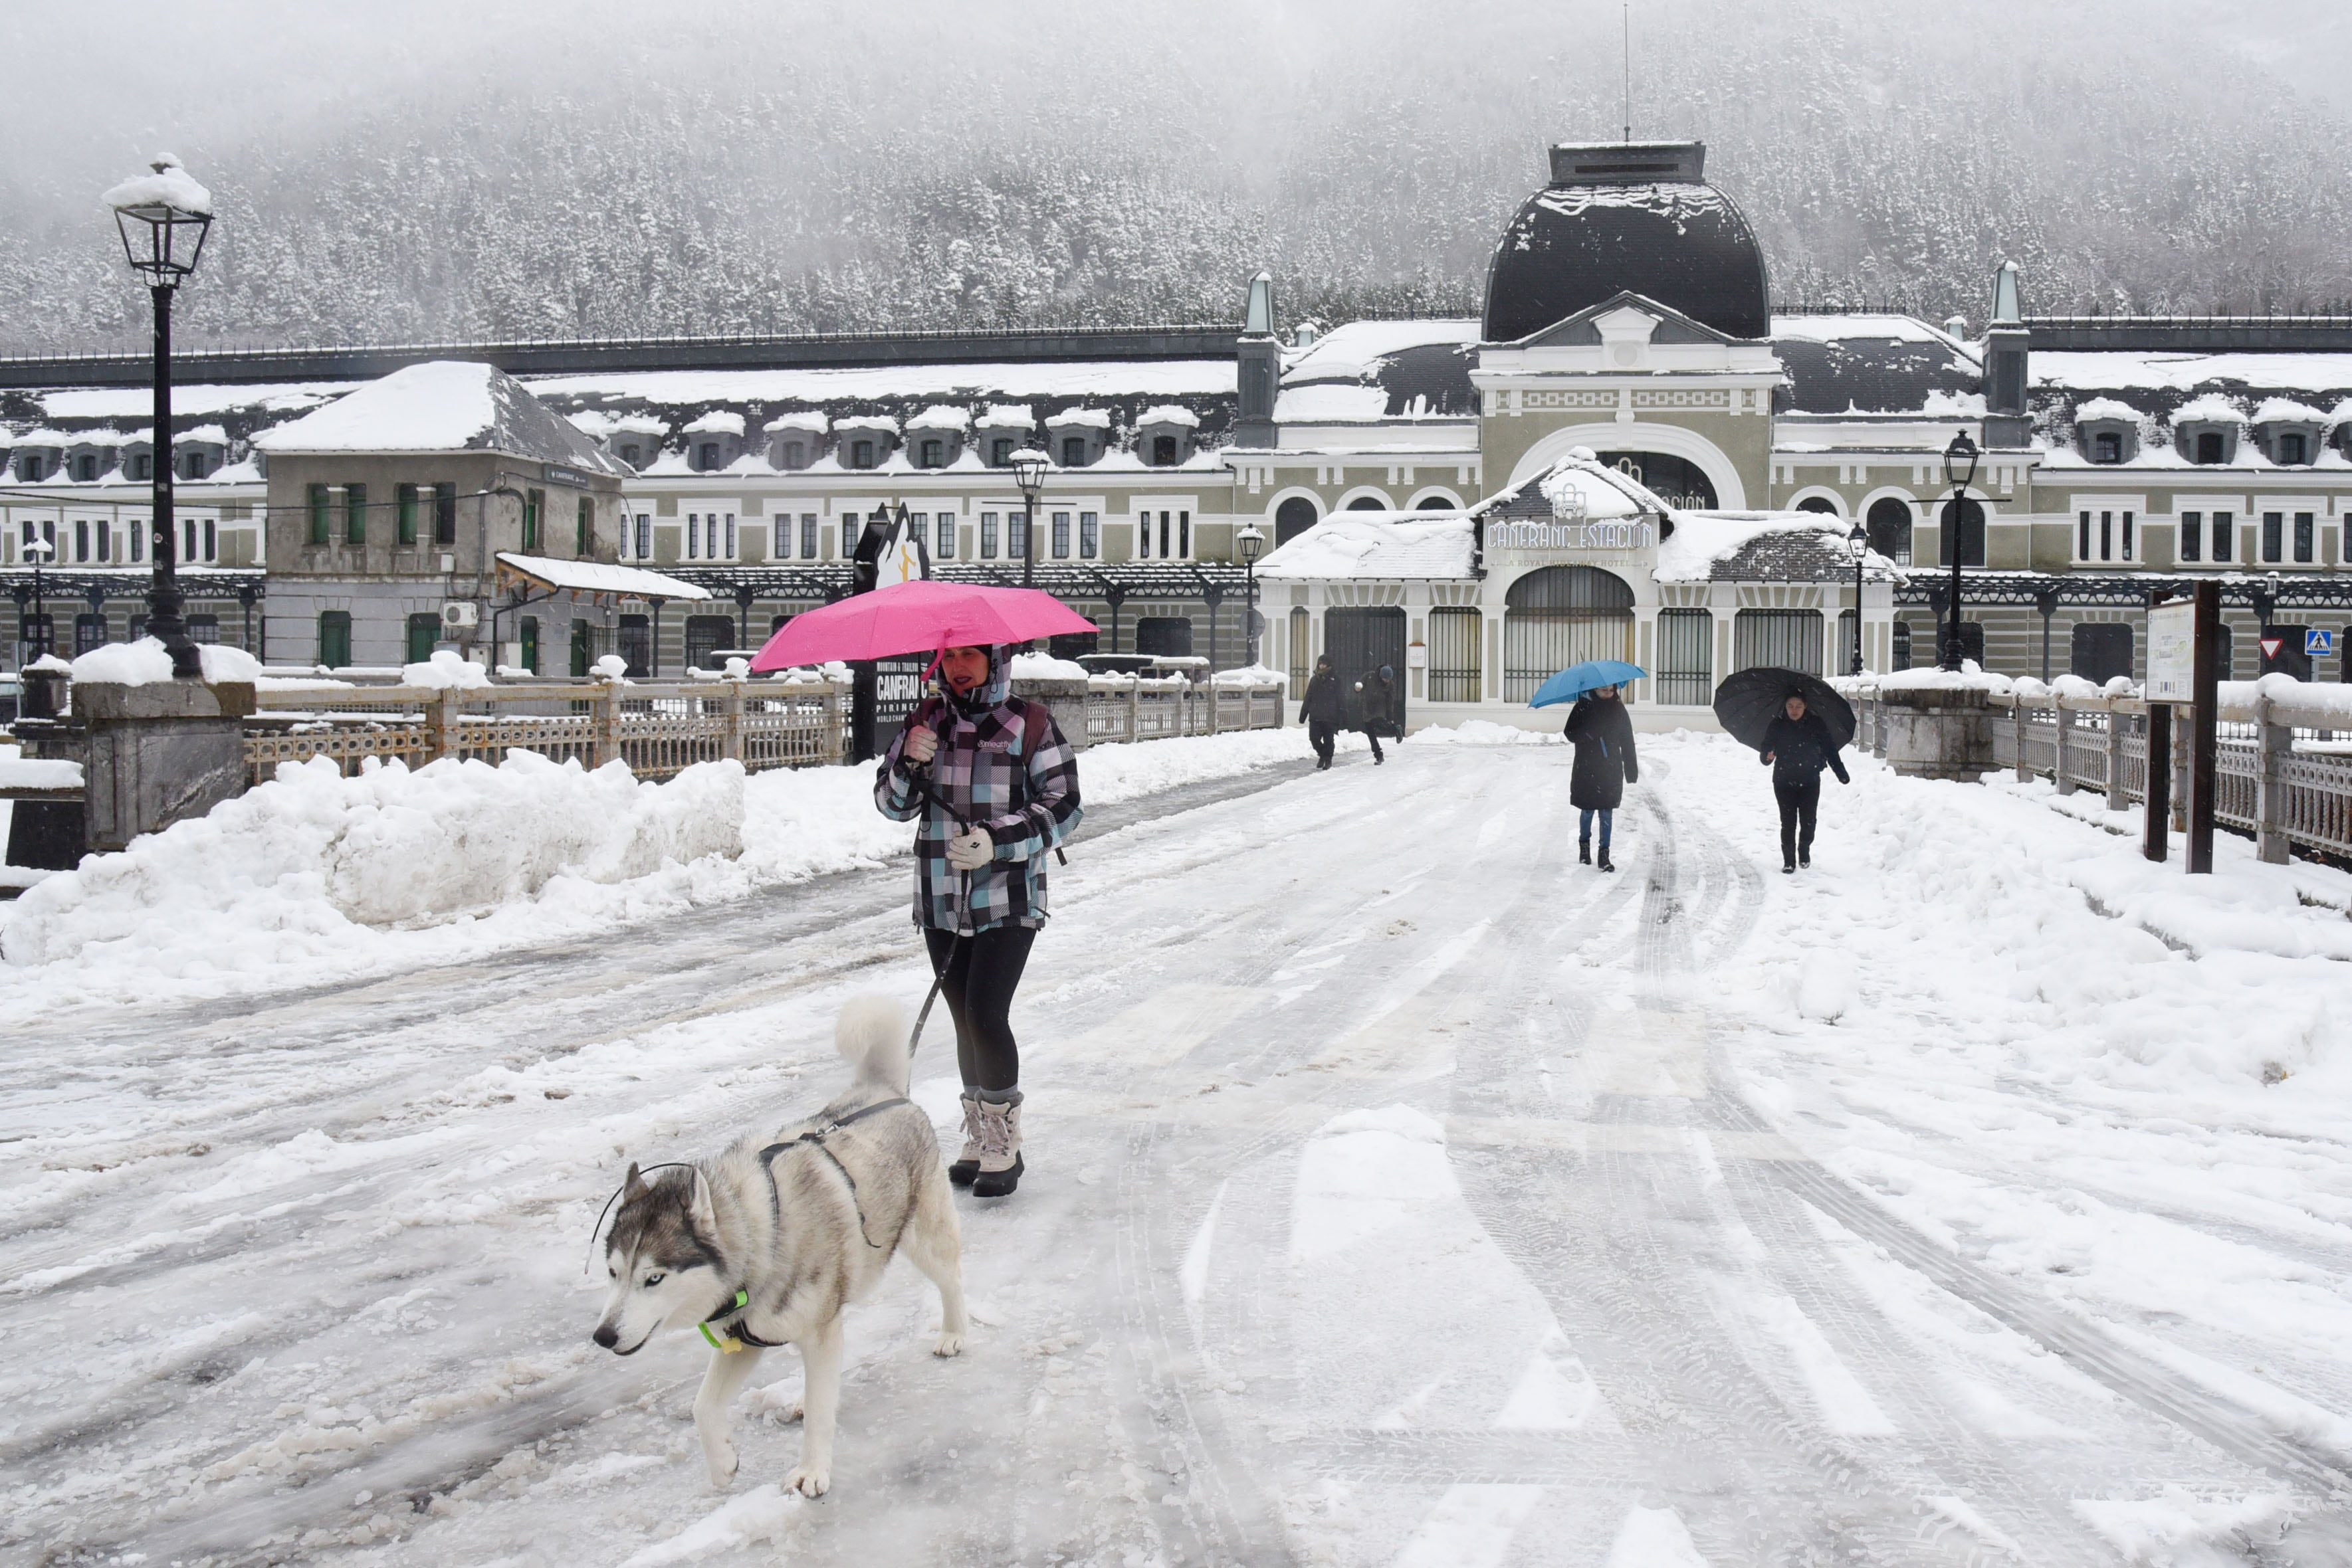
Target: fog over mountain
510,168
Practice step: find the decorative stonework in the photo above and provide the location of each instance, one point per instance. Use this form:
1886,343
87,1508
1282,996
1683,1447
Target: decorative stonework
1693,397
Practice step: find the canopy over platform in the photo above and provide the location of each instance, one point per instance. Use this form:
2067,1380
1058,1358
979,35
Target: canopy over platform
594,578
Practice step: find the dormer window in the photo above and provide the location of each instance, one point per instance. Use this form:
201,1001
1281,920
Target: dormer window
191,465
795,454
2209,446
1163,452
861,455
1074,452
86,466
934,454
2292,448
999,452
629,454
141,467
2106,446
706,456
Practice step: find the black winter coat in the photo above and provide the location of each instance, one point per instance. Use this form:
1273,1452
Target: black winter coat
1377,712
1324,703
1602,734
1799,750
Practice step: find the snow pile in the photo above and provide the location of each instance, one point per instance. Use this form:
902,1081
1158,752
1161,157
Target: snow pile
2287,411
2311,705
1586,489
1045,667
1248,675
1969,677
1168,413
292,867
940,416
145,663
444,671
2210,408
18,773
2104,408
810,420
1079,419
169,185
1376,545
1702,538
718,422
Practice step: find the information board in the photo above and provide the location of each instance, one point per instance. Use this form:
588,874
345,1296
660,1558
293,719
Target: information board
898,687
2172,652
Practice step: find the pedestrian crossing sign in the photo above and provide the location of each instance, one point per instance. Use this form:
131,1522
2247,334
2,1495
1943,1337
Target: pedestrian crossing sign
2316,641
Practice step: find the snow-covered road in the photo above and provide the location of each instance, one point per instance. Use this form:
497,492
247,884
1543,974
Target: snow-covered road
1403,1193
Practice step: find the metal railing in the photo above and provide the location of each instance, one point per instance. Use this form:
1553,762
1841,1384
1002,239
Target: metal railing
2277,777
660,729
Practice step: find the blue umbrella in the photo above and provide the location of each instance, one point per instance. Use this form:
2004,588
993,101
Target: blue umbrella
1578,679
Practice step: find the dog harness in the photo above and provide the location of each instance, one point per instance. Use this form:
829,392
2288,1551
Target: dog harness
733,1335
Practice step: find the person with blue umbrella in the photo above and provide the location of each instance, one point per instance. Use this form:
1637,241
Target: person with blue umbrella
1602,734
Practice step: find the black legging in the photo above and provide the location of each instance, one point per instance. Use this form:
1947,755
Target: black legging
1798,803
981,974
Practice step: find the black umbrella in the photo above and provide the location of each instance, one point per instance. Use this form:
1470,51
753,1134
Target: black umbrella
1752,699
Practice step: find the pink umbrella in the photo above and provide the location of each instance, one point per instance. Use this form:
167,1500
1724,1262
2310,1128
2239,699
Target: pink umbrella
919,617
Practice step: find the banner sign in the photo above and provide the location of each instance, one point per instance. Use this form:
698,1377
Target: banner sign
2172,652
898,687
1629,535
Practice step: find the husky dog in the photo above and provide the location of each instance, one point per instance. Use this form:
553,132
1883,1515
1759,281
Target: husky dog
768,1243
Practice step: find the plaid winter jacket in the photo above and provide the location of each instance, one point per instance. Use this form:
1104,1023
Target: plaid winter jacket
1010,772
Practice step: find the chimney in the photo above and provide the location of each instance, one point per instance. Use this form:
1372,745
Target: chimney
1259,373
2008,420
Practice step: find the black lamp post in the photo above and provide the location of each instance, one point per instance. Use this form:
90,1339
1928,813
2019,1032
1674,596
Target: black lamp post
1857,541
1251,542
39,551
1959,472
163,218
1029,473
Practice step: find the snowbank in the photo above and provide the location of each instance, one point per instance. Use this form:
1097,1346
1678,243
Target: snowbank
1045,667
1485,732
444,671
145,663
1248,675
294,866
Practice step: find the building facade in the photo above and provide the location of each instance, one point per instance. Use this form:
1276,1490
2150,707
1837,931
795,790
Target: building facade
1630,450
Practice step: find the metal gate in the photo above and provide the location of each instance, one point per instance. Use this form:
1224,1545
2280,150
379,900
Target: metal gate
1361,641
1685,672
1455,635
1562,615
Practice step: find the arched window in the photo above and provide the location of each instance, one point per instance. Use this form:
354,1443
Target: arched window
1298,659
1889,523
1821,504
1292,518
1962,519
1368,504
1434,502
1562,615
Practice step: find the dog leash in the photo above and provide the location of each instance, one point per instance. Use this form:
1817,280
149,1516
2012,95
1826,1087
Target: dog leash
736,1336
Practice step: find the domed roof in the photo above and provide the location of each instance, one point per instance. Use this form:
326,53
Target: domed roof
1622,218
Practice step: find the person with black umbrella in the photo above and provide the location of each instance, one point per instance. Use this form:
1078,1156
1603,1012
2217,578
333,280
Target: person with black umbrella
1797,746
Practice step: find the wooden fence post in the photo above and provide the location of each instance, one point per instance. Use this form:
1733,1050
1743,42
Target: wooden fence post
438,740
2277,740
607,703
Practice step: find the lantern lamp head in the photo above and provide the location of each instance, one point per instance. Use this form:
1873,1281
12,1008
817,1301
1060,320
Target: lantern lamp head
163,218
1028,466
1251,540
1857,541
1960,462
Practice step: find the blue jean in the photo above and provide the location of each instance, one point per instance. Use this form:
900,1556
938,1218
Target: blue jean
1584,826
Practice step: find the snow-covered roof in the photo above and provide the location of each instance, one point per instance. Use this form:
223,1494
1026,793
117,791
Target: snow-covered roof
442,405
1757,547
2120,370
1382,545
1079,419
941,416
1577,486
639,425
43,437
2213,406
1876,327
718,422
2287,411
596,577
2104,408
168,186
1168,413
1007,416
203,435
881,422
807,419
1330,401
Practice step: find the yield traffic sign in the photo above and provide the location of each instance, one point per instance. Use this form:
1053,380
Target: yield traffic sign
2271,645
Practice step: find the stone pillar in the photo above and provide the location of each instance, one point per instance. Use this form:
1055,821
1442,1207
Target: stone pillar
160,753
1066,700
2119,725
605,708
730,721
1938,732
2276,742
2058,762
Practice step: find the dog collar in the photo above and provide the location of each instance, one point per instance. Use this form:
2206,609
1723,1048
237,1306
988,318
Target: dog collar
735,1336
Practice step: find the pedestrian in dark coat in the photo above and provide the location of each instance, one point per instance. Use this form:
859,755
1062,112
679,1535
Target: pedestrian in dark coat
1602,734
1375,695
1797,746
1323,711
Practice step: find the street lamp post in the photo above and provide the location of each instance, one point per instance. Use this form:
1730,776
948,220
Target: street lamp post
1959,472
1251,542
1029,473
163,218
39,551
1857,541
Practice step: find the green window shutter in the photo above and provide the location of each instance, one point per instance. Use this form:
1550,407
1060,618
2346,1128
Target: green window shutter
445,512
407,493
532,501
580,650
580,532
335,638
424,631
355,514
531,644
321,522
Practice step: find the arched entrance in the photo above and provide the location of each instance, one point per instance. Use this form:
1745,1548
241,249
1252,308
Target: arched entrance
1562,615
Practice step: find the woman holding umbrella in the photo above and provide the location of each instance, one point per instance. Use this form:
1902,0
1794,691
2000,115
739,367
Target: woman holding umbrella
1602,734
1797,723
996,787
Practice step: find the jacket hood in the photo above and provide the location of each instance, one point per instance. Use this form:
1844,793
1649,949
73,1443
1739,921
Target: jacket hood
992,692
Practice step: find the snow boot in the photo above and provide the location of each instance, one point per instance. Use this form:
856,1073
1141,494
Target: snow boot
1000,1147
966,1165
1788,868
1584,852
1805,861
1605,862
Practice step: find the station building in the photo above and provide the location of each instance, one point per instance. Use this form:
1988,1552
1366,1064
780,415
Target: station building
1632,452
